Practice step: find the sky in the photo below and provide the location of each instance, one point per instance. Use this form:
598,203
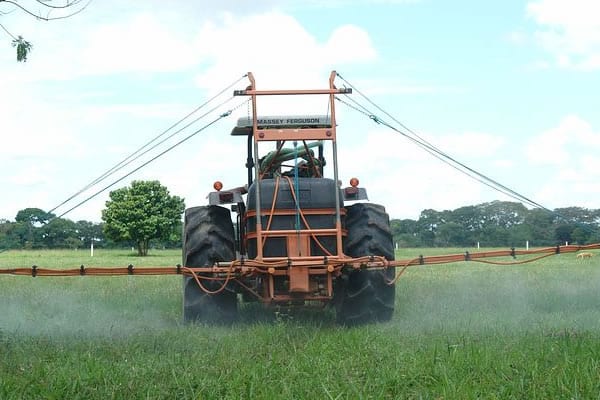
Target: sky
508,88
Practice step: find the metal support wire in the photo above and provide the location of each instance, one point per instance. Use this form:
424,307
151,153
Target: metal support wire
447,159
223,115
441,155
140,151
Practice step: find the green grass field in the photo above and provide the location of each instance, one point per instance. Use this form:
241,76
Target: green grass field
460,331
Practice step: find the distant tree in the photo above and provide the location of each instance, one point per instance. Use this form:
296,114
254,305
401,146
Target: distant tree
564,233
45,10
518,235
578,215
581,235
429,224
89,232
33,216
541,225
60,233
8,239
470,217
28,228
498,223
140,213
503,214
452,234
493,235
405,232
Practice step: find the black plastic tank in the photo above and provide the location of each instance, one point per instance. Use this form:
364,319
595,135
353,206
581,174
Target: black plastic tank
312,193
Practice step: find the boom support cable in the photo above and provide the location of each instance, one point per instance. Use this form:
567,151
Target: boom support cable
446,158
223,115
140,151
433,150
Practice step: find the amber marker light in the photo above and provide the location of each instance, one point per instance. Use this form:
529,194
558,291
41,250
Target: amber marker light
218,185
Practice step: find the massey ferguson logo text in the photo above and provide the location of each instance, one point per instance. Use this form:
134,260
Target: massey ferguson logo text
289,121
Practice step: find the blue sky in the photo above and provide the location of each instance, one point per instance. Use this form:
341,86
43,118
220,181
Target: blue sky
508,88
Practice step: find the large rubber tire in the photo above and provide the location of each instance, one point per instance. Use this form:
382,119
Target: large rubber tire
363,296
208,236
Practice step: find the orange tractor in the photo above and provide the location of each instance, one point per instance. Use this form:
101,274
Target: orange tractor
298,236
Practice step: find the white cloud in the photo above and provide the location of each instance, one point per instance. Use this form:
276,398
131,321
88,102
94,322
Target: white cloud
396,86
277,49
348,43
320,4
569,31
167,111
57,140
407,180
31,175
564,144
569,154
31,128
142,43
517,37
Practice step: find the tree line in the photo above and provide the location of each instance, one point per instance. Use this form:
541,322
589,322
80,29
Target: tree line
143,215
146,216
498,224
34,228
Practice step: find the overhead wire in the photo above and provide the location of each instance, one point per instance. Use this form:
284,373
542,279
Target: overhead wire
433,150
221,116
447,159
134,155
426,148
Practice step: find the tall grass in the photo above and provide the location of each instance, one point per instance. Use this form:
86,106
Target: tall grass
461,330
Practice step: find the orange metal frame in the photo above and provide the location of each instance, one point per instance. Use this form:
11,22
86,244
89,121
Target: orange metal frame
285,134
236,270
297,240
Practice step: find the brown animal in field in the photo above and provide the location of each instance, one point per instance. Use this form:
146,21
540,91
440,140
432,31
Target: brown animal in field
585,255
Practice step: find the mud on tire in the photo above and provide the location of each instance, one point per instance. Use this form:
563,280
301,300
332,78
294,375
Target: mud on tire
363,296
208,236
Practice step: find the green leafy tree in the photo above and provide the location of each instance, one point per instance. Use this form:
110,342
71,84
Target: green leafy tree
519,234
28,227
429,222
580,235
140,213
8,238
499,223
89,232
540,222
33,216
452,234
60,233
502,214
564,233
405,232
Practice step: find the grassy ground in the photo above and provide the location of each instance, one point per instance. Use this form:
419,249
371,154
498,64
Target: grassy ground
460,331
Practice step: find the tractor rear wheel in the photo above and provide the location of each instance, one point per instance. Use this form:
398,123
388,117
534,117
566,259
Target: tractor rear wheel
364,296
208,237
